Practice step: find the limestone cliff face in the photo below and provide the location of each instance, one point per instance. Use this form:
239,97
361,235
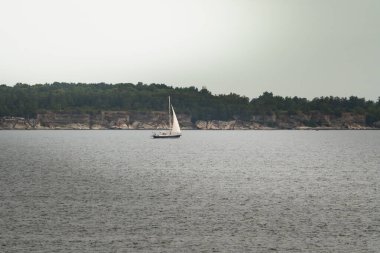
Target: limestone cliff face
159,120
16,123
227,125
313,120
103,120
52,120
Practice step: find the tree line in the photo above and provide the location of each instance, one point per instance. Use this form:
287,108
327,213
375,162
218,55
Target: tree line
25,100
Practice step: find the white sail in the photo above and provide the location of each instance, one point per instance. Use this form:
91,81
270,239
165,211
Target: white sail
175,128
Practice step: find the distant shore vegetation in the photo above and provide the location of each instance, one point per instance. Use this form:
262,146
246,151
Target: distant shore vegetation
23,100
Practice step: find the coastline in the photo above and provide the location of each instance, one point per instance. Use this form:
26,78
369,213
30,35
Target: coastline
120,122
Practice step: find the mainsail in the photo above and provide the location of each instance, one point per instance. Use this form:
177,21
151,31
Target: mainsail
175,128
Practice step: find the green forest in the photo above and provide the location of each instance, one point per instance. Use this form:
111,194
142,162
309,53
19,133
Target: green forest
23,100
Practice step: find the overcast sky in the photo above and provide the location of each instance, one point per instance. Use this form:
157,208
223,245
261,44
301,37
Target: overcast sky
306,48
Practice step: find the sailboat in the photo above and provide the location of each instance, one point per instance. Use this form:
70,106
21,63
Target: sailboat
174,129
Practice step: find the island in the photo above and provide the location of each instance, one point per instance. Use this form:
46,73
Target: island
142,106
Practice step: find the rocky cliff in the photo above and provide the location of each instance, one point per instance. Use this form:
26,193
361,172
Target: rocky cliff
158,120
102,120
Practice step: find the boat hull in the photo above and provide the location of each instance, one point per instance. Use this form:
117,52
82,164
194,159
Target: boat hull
159,136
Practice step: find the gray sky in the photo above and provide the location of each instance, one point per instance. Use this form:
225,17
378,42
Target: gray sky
306,48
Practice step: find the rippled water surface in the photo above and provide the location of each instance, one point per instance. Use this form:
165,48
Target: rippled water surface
209,191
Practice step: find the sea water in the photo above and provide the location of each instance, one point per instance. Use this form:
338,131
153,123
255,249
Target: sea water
209,191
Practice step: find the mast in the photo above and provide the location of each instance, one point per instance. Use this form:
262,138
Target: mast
170,120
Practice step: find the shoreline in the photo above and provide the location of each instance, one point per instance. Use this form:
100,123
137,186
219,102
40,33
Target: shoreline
158,121
195,129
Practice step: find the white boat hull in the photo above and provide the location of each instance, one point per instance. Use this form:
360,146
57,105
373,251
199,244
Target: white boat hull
166,135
